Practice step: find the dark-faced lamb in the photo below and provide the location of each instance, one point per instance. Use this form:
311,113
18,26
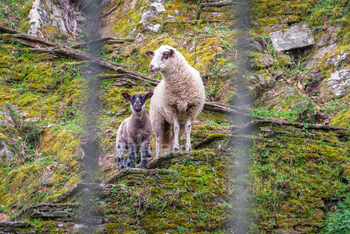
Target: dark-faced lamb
177,99
134,132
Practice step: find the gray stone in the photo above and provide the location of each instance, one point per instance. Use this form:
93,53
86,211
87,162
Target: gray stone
273,28
336,60
266,61
261,80
5,154
295,37
319,54
13,224
338,84
154,9
289,91
316,61
218,200
248,43
46,178
78,227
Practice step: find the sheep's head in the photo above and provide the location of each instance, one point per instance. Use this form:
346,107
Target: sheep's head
137,101
161,58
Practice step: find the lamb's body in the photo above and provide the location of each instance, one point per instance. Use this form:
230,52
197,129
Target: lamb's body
177,99
134,132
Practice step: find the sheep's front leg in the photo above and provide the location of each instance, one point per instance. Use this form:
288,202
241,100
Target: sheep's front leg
121,154
130,160
176,135
188,134
158,145
144,153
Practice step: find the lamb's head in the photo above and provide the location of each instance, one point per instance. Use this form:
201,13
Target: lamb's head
137,101
161,58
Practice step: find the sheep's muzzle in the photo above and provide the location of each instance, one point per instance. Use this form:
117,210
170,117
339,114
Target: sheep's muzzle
153,69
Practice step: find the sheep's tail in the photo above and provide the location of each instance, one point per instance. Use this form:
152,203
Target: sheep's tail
166,144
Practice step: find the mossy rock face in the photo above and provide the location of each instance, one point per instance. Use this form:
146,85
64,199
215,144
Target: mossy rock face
341,119
292,168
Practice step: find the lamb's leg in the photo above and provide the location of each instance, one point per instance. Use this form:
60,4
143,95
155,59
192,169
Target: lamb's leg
144,153
121,154
188,134
176,134
130,160
158,145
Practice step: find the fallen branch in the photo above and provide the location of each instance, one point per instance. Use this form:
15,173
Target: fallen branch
227,109
190,22
213,4
109,40
80,55
210,139
8,30
26,39
110,11
297,125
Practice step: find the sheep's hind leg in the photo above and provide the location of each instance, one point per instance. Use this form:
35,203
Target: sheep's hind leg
144,153
130,160
176,135
188,135
158,145
121,155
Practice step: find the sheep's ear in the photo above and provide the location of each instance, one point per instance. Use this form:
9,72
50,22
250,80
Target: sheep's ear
172,52
150,53
126,96
148,95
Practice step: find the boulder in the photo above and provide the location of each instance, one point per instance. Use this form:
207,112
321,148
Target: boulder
5,154
248,43
338,83
46,178
295,37
155,8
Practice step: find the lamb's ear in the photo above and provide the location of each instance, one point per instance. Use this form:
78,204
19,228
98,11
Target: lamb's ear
172,52
149,53
148,95
126,96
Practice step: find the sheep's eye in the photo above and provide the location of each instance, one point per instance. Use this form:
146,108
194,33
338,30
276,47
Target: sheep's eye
166,55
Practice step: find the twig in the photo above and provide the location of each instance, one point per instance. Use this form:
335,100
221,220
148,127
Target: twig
110,11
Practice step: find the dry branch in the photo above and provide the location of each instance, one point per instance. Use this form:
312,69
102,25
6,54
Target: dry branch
227,109
109,40
210,139
191,22
110,11
213,4
297,125
8,30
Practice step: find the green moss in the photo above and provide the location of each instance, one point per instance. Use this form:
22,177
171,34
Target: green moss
342,119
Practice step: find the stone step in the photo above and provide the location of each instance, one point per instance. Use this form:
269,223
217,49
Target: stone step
62,212
11,226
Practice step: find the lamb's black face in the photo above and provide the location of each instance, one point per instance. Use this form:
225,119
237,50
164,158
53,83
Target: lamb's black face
137,101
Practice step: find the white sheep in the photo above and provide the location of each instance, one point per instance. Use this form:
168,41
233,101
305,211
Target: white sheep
177,99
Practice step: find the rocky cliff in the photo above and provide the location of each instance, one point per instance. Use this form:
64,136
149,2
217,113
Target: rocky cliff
277,78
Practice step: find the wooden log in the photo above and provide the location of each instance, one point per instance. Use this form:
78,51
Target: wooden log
109,40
